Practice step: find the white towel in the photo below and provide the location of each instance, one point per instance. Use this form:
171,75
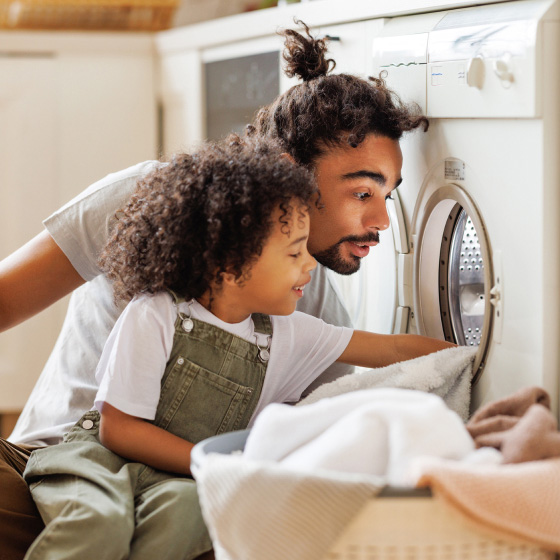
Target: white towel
375,431
446,373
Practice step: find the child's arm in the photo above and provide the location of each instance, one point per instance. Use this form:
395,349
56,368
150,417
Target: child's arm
135,439
379,350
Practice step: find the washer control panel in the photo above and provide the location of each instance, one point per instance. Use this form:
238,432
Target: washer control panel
482,62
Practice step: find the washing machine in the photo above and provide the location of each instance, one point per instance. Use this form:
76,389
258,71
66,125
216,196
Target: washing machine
472,254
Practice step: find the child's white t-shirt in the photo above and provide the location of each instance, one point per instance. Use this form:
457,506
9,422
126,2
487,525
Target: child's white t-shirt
138,349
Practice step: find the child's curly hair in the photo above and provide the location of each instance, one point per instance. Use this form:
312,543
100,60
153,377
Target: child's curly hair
202,215
327,110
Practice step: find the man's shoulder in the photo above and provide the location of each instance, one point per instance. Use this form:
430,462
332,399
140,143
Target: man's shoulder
113,188
128,175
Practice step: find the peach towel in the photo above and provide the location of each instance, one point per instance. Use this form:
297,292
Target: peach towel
521,500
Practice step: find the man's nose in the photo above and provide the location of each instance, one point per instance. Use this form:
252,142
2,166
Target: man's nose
376,216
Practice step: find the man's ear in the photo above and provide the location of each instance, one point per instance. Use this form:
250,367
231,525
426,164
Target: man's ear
289,157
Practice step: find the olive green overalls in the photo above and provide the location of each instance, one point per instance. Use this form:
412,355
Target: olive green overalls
97,505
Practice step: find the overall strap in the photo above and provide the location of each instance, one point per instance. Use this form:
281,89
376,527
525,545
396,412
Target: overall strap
177,299
262,323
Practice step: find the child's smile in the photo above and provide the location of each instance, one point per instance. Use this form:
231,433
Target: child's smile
299,290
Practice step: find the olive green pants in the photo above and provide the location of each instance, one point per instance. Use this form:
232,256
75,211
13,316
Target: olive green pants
20,522
98,505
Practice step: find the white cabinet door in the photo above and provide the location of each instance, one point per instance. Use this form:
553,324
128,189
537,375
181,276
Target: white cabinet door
181,79
106,114
73,108
28,186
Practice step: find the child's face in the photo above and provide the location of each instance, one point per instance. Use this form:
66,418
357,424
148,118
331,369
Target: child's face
279,275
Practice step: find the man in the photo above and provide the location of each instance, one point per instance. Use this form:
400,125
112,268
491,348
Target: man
344,128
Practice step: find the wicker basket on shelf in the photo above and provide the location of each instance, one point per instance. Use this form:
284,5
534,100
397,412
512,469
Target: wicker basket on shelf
125,15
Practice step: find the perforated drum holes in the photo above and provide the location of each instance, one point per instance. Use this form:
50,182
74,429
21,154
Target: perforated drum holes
462,280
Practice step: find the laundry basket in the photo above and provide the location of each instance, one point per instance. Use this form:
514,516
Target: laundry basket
403,524
125,15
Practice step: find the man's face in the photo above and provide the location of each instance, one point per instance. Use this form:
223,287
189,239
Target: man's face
354,184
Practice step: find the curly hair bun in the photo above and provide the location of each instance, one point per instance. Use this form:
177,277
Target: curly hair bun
305,56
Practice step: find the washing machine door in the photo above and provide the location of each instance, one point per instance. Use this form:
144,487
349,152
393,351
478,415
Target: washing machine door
454,293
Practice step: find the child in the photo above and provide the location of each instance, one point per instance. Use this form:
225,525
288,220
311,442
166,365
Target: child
212,250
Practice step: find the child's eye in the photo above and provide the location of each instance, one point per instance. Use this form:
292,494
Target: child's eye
296,255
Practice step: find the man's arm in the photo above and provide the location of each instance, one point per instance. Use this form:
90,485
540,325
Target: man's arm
372,350
33,278
138,440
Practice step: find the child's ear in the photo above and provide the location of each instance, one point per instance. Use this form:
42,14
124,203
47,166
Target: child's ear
229,278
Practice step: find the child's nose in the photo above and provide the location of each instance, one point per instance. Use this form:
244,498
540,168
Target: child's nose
310,262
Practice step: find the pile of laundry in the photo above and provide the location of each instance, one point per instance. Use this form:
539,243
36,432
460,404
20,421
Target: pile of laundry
307,470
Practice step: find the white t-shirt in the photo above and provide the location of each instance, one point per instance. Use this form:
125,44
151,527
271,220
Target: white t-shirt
138,349
67,386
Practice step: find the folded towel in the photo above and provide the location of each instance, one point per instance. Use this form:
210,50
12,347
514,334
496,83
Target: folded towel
522,500
514,405
521,426
446,373
375,431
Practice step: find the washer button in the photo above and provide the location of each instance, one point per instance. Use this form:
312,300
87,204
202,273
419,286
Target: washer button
87,424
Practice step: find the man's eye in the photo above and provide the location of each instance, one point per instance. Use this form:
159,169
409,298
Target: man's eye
362,195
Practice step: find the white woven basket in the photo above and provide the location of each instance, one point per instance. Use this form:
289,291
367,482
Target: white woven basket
405,525
424,528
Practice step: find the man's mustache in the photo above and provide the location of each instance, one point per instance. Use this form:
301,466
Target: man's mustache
372,237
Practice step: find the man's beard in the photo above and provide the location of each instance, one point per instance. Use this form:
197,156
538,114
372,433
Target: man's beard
331,257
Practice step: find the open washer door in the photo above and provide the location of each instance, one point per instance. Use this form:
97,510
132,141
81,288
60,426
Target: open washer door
455,294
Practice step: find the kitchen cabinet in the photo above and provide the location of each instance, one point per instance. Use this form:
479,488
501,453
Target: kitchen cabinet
73,107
